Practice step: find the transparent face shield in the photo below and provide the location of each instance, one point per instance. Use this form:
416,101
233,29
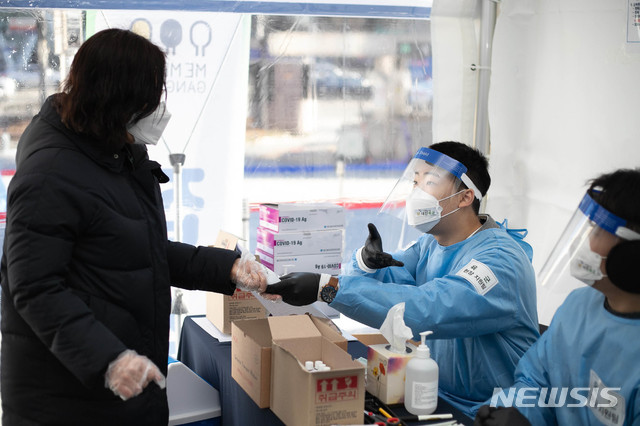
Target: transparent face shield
579,255
428,181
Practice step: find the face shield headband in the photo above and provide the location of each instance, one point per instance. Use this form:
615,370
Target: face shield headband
447,163
606,220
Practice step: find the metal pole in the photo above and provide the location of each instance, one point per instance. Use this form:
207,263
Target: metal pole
178,307
177,161
42,53
481,124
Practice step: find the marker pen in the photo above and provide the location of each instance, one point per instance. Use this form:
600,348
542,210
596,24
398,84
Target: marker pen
384,413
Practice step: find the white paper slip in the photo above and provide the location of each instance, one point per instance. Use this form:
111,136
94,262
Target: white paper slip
212,329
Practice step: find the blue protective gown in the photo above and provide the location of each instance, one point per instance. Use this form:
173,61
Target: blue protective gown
583,340
477,339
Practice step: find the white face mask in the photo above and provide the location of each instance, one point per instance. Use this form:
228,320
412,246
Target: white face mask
424,210
149,129
585,265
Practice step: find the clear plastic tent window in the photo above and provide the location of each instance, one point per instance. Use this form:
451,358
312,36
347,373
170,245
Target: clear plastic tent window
270,101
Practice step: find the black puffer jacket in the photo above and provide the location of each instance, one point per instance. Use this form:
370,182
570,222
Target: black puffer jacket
86,274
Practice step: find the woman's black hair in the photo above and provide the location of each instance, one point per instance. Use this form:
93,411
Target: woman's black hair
116,76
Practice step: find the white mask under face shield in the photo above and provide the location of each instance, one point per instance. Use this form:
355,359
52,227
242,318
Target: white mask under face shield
424,210
586,265
430,178
149,129
575,258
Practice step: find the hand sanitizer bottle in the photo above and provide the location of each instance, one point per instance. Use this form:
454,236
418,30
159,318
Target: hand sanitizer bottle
421,381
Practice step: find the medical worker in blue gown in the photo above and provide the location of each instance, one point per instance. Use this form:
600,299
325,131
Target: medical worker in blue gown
467,278
585,369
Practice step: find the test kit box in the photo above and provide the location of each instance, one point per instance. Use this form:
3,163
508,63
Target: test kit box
302,397
285,217
329,263
296,243
221,309
251,348
386,372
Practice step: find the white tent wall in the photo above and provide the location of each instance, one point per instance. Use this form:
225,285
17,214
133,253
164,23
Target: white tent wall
562,110
454,42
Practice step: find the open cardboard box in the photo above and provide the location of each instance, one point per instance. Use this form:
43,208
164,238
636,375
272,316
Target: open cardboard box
371,339
251,348
300,397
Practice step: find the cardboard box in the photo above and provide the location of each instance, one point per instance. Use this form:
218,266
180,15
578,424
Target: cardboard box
251,349
301,397
221,309
386,372
297,243
285,217
329,263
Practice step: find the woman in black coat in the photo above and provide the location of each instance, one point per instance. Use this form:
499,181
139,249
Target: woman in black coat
87,266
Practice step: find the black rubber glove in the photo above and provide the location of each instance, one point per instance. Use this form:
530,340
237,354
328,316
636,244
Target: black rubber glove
500,416
372,254
298,288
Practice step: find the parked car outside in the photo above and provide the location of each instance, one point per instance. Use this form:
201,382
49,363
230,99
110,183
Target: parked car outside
330,80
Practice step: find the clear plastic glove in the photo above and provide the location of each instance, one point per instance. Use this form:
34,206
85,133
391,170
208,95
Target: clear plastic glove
130,373
298,288
272,278
271,297
372,254
500,416
247,274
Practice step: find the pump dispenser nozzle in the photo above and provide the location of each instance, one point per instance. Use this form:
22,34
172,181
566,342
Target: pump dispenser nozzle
423,350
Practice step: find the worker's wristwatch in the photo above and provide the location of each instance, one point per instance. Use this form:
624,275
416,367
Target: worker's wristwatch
329,290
